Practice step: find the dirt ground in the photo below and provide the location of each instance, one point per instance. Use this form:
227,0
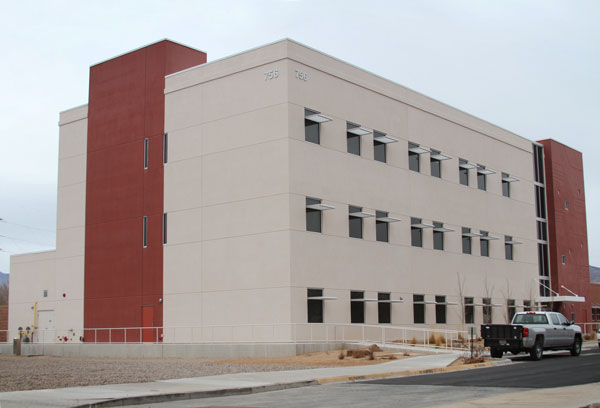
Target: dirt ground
43,372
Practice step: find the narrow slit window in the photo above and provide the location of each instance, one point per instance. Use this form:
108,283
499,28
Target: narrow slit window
469,310
381,227
463,171
384,308
484,243
466,240
315,305
164,237
487,310
419,309
357,307
440,309
165,148
145,231
146,141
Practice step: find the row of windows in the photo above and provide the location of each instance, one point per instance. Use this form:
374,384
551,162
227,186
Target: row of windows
315,305
147,150
314,209
313,120
145,230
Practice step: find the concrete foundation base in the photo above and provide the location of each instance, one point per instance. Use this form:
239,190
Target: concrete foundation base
205,350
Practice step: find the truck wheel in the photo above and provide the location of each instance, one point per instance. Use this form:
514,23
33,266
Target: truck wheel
537,351
576,347
496,353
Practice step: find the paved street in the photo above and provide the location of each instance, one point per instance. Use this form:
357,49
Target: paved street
479,387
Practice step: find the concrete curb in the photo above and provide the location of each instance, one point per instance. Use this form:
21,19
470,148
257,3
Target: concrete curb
147,399
410,373
151,399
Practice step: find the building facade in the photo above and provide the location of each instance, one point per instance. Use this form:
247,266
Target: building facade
255,196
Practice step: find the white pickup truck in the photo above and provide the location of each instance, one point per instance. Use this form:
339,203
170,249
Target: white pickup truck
533,332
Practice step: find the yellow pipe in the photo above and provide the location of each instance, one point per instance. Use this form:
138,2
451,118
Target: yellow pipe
34,327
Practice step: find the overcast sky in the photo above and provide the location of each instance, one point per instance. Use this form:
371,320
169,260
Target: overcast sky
531,67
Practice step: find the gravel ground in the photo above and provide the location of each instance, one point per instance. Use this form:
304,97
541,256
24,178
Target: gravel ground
43,372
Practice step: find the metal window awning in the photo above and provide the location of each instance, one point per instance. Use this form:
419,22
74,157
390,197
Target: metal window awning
513,242
440,156
320,207
467,166
364,300
361,214
360,131
471,235
419,150
510,179
318,118
421,225
446,303
387,219
392,301
443,229
497,305
553,299
487,238
485,171
381,138
322,298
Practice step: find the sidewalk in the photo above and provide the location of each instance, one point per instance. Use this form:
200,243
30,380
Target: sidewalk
221,385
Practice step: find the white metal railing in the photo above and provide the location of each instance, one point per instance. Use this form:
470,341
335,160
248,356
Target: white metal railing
253,333
589,328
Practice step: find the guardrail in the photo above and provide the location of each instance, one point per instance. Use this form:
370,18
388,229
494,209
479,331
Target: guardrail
254,333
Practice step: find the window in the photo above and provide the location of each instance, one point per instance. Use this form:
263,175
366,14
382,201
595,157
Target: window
45,293
487,311
542,232
484,243
463,171
165,148
469,310
466,240
527,306
312,121
414,151
315,305
436,165
164,235
567,205
481,181
384,308
511,309
508,247
436,159
540,202
379,148
357,307
595,313
419,309
563,320
438,235
554,318
416,233
381,227
353,134
146,153
355,222
440,309
380,141
145,231
564,260
313,216
507,179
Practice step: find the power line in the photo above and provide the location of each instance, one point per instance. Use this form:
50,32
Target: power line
25,226
24,240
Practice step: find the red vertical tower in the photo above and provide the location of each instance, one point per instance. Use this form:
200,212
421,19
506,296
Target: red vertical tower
567,228
123,280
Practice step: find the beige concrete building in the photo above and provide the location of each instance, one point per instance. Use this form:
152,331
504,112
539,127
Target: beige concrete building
300,191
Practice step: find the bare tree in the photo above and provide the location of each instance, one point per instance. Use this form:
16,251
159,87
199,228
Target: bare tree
4,294
507,296
489,294
461,293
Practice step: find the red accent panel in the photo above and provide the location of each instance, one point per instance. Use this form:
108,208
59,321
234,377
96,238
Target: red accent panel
126,106
567,229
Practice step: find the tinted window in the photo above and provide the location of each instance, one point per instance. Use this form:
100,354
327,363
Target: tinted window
440,309
436,165
419,308
381,227
466,241
554,319
379,150
481,181
438,237
484,244
487,311
313,217
384,309
357,308
463,173
469,310
531,319
355,223
315,306
505,186
311,131
416,234
353,142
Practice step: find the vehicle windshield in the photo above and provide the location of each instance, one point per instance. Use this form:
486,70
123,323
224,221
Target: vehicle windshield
530,319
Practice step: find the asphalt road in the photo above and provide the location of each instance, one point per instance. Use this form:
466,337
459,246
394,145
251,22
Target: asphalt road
555,370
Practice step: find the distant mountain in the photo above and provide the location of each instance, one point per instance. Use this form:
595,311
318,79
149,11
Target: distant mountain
3,278
594,274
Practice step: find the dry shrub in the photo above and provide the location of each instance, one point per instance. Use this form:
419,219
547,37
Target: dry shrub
590,336
341,355
374,348
360,353
371,355
460,337
406,354
440,340
432,338
413,340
